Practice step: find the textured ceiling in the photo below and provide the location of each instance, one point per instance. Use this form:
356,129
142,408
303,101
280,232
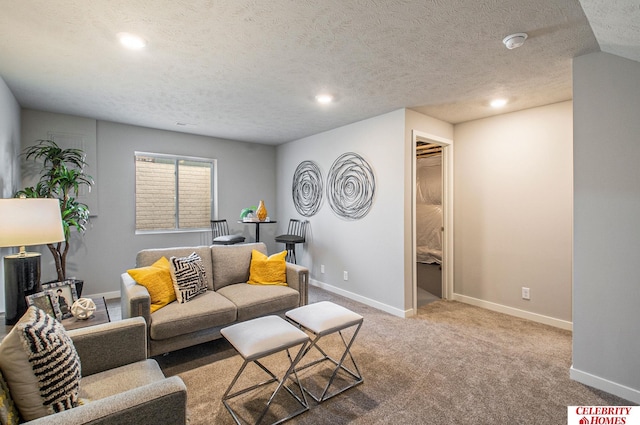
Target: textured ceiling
616,25
249,69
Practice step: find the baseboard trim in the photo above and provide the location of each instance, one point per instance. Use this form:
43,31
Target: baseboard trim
107,295
364,300
523,314
605,385
562,324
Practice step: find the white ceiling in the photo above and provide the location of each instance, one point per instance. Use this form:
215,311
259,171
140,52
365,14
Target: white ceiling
249,69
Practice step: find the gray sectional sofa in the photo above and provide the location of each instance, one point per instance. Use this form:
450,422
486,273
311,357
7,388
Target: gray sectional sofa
229,298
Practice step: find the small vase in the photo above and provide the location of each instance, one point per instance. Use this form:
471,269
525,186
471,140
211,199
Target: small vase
261,212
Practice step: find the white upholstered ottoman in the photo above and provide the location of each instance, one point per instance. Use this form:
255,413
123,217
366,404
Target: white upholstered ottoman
261,337
325,318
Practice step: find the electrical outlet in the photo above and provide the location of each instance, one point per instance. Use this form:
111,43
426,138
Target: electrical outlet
345,275
321,268
525,293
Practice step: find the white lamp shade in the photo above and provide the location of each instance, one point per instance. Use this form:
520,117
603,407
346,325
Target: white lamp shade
30,221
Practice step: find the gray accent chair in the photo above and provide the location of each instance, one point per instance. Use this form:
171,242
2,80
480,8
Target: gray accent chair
229,298
121,384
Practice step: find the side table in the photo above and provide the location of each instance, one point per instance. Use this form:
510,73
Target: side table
101,315
258,223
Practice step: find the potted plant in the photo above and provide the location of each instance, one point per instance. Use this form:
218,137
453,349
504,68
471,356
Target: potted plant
61,176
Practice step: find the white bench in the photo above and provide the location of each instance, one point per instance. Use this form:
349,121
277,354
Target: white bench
325,318
259,338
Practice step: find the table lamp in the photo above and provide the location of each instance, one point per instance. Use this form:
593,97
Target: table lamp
26,222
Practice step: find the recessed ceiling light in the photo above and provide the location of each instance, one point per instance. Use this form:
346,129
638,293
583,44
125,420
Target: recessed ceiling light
131,41
324,98
498,103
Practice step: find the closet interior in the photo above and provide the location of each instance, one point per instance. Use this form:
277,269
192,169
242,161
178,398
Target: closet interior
429,221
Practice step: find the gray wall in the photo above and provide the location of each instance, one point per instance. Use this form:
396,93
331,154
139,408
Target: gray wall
9,164
513,212
246,174
372,249
606,276
68,131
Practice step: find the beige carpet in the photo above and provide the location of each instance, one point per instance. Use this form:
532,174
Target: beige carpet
452,364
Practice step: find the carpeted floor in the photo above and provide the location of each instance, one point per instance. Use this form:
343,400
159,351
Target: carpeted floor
452,364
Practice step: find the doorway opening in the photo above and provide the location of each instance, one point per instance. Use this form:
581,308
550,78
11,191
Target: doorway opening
429,223
432,219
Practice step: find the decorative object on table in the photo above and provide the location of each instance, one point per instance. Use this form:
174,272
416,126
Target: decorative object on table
306,188
261,212
61,177
351,186
26,222
65,295
247,212
45,301
83,308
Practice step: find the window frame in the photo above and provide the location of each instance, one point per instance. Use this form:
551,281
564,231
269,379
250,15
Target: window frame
176,159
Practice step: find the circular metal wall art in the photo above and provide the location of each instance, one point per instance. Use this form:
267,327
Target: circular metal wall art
351,186
307,188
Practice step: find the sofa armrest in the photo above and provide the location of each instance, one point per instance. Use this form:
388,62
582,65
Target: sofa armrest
110,345
163,402
298,279
134,299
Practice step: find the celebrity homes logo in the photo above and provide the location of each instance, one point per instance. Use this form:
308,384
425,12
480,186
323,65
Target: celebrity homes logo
603,415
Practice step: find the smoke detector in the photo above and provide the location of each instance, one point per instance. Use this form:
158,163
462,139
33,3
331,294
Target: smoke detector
515,40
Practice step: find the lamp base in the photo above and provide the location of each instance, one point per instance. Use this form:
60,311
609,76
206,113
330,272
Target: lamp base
21,278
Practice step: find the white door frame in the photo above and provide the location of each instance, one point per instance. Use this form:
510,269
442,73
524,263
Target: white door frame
447,206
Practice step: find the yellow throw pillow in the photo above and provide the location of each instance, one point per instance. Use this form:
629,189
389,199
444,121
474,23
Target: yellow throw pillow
268,270
157,279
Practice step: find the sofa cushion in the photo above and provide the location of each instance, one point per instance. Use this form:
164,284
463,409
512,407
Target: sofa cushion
157,279
41,365
258,300
189,277
231,263
271,270
147,257
120,379
203,312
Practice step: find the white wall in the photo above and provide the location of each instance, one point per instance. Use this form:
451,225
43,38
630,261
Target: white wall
9,164
246,174
513,212
606,279
371,250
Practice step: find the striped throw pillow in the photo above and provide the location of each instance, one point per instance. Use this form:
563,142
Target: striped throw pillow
41,365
